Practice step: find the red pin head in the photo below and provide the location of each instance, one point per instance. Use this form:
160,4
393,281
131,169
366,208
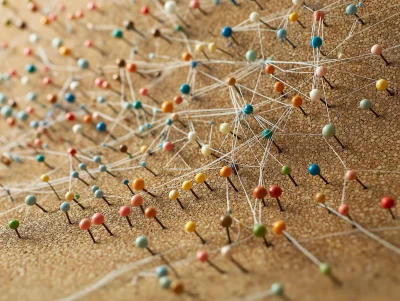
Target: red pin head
275,191
98,82
387,202
98,219
319,15
70,116
124,211
145,10
143,91
351,175
71,151
136,200
47,80
85,224
202,256
343,209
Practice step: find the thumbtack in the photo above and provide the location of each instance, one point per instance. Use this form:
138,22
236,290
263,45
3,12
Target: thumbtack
126,183
137,201
351,175
75,175
69,196
225,172
297,101
329,131
227,32
352,10
46,178
260,193
144,165
99,194
315,170
260,231
84,225
13,225
201,178
268,134
103,168
30,200
366,104
377,50
151,212
138,184
98,219
41,159
382,85
388,203
227,252
202,256
275,192
188,185
64,207
190,227
124,211
226,222
82,166
174,196
320,198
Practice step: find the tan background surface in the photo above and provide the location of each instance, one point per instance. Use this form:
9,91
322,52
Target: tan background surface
55,260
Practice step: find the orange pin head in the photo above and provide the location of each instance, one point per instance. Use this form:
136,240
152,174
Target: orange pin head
279,227
44,20
297,101
150,212
225,171
186,56
278,87
64,51
167,107
138,184
260,192
131,67
269,69
230,81
320,197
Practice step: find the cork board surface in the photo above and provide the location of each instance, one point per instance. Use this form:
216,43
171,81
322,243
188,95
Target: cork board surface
55,260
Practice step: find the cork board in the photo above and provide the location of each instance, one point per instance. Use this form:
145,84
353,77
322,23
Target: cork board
54,260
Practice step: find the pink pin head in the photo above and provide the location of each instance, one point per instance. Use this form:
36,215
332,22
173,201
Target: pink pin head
105,85
275,191
136,200
52,17
28,51
85,224
167,146
45,68
79,14
30,109
88,43
71,151
98,218
143,91
376,49
124,211
38,142
98,82
91,6
47,80
70,116
95,115
70,16
145,10
387,202
61,7
319,15
4,45
351,175
194,4
202,256
343,209
12,72
321,71
11,121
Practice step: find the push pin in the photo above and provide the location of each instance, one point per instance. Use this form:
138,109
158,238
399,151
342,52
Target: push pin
195,4
202,256
279,87
227,32
212,47
282,35
351,175
64,207
316,94
75,175
352,11
255,17
124,149
174,196
46,178
268,134
377,50
13,225
30,200
329,131
260,231
275,192
201,48
82,166
118,34
225,129
286,170
137,201
145,92
98,219
366,104
315,170
69,196
126,183
151,212
157,34
138,184
260,193
190,227
226,172
85,226
99,194
226,222
320,198
103,168
41,159
124,211
382,85
316,43
320,16
201,178
227,253
188,185
294,17
102,128
344,210
129,25
145,10
170,8
297,101
279,228
321,72
388,203
144,165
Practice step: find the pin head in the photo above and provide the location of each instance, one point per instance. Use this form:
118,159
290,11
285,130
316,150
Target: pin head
190,227
251,56
325,269
225,172
315,94
185,89
387,202
65,206
328,131
260,192
161,271
226,252
351,9
85,224
150,212
30,200
314,169
98,218
319,15
321,71
226,221
343,209
376,49
173,195
178,99
351,175
136,200
226,32
278,87
187,185
277,289
95,188
259,230
275,191
98,194
206,150
202,256
267,133
44,178
297,101
281,33
365,104
225,128
293,17
167,107
248,109
138,184
167,146
316,42
123,148
230,81
177,286
165,282
381,85
124,211
200,178
279,227
320,197
141,242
